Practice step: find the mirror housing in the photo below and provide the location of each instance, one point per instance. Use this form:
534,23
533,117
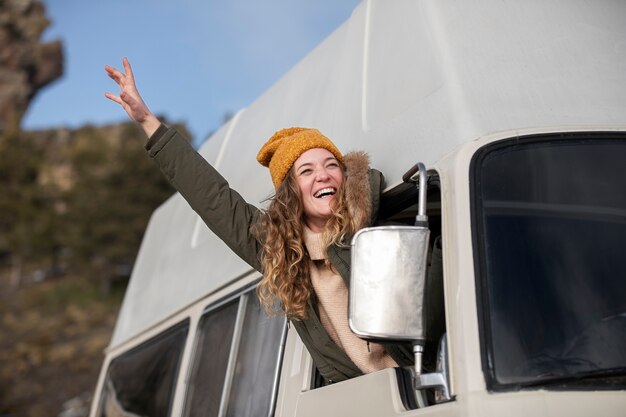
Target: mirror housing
387,284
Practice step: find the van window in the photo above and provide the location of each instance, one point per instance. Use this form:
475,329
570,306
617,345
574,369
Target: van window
236,361
214,339
142,380
550,228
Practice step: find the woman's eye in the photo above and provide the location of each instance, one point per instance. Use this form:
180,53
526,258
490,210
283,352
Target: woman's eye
305,171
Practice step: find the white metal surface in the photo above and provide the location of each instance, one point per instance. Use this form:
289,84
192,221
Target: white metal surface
403,80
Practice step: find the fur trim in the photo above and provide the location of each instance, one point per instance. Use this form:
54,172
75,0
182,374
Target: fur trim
357,190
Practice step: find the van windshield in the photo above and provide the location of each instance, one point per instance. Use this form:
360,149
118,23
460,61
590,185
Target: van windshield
550,231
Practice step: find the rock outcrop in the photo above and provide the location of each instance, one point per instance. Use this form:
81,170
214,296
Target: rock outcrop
26,64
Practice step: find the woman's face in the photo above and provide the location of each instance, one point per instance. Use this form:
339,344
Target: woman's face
319,176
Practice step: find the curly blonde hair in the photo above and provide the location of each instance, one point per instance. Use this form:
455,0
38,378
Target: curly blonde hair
285,260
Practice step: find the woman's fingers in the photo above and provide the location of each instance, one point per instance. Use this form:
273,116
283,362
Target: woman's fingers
122,79
127,69
114,74
113,97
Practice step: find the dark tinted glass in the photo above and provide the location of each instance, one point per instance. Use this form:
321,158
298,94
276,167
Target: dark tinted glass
142,381
215,334
257,363
237,359
551,231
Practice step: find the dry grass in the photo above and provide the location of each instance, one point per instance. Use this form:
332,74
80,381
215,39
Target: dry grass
52,335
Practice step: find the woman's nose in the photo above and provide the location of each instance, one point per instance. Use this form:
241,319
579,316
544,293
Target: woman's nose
322,174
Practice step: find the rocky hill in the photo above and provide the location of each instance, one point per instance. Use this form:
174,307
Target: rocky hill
26,64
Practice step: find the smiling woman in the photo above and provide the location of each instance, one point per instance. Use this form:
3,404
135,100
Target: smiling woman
319,177
314,161
300,243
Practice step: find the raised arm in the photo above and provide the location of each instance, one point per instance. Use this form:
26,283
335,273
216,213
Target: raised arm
223,210
130,99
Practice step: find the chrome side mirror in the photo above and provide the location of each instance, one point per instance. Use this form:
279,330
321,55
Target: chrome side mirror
388,276
388,281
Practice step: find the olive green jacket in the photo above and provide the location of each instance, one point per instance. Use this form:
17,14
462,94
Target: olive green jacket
230,217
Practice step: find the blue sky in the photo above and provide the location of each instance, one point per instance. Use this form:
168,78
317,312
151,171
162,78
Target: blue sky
194,60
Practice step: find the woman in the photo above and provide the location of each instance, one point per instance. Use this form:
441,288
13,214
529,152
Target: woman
300,243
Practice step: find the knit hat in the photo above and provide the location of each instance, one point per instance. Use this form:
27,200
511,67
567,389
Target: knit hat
285,146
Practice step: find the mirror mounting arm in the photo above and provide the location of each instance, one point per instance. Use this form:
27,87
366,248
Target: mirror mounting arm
417,174
437,380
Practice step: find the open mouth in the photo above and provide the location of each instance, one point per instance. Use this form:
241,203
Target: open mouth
325,192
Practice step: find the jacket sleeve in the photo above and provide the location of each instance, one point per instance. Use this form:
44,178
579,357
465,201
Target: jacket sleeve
221,208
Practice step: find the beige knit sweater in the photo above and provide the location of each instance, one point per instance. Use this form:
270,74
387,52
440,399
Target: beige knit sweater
332,297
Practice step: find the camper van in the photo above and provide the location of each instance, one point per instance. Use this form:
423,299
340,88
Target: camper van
500,126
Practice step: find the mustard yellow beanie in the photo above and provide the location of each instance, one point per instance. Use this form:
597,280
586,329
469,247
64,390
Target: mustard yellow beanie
285,146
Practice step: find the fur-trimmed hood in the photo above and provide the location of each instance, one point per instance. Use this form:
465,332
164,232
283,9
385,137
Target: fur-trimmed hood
362,188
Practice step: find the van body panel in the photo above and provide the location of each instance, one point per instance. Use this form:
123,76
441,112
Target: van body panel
374,393
548,403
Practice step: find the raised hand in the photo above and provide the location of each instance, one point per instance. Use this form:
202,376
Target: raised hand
130,99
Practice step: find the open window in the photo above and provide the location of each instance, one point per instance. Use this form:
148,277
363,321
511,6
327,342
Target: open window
399,207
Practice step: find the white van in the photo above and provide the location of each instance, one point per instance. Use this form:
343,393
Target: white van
517,109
